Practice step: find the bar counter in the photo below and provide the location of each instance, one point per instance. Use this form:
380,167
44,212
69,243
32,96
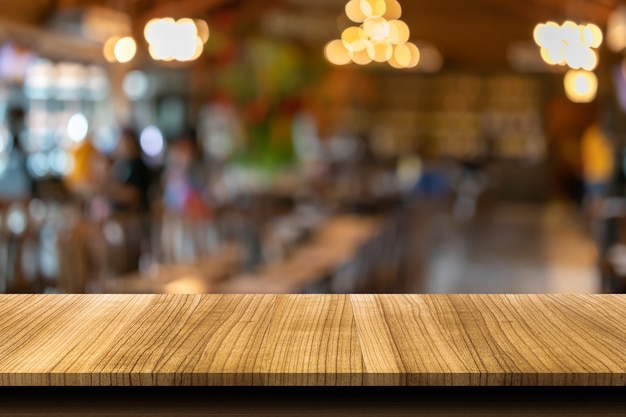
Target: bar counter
312,340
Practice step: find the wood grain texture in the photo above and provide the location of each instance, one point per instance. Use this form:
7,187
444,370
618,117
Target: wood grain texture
312,340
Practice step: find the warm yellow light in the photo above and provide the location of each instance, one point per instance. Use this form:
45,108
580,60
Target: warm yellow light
415,55
547,57
125,49
336,53
161,51
580,86
150,30
186,28
380,52
577,54
376,28
198,50
402,55
353,11
592,35
394,10
570,32
538,33
398,32
548,35
354,39
203,30
153,53
186,34
591,61
556,55
392,61
181,40
373,8
360,57
108,50
616,29
158,30
375,38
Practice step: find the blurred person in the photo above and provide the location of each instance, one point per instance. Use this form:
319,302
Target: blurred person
15,182
471,185
87,175
186,230
125,191
597,168
127,187
90,183
98,173
565,123
598,164
184,178
433,182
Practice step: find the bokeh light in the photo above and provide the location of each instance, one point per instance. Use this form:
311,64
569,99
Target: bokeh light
105,139
398,32
380,52
354,39
394,10
77,127
353,11
568,44
360,57
17,220
430,59
38,165
376,28
181,40
336,53
373,8
125,49
616,29
379,38
592,35
415,55
580,86
113,232
135,85
37,210
108,50
60,162
203,30
402,55
151,141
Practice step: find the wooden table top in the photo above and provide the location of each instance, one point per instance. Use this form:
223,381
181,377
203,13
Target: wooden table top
313,340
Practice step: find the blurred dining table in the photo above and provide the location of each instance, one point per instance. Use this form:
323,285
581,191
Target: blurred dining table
332,244
181,278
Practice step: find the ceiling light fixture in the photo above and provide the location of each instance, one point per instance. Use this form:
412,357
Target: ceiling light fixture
380,36
574,46
180,40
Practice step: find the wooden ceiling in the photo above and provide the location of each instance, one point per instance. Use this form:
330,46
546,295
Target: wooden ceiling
469,33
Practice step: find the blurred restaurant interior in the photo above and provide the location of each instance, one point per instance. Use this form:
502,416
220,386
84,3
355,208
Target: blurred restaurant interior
312,146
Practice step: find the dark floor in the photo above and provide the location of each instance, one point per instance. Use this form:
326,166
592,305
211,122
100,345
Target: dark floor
514,248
